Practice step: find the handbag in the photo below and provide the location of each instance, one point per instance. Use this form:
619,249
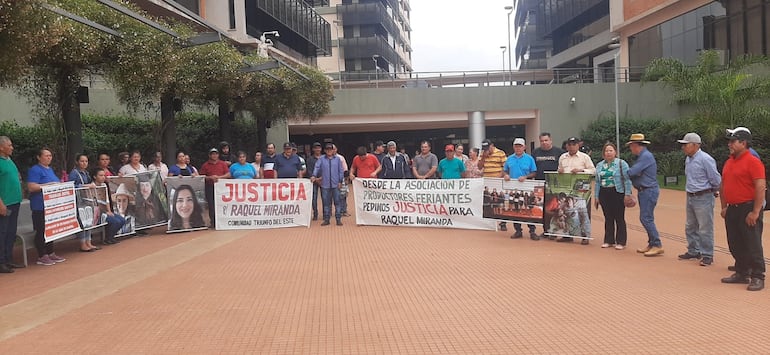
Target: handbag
628,200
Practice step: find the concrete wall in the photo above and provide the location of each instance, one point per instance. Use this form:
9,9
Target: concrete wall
555,112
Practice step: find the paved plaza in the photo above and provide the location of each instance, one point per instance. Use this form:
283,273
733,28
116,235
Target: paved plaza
359,289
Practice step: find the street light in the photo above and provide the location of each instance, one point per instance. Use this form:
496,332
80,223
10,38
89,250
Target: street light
510,11
617,101
503,48
338,23
376,71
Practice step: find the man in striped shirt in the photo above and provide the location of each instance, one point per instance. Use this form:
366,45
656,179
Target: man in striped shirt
492,161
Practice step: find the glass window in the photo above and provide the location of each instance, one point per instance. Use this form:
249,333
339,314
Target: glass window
754,30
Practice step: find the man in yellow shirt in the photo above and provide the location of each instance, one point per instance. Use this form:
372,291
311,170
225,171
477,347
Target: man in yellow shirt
492,161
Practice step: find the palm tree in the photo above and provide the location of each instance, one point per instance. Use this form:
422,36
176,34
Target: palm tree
722,96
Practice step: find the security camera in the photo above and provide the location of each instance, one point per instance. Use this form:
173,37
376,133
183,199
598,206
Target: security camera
615,39
572,100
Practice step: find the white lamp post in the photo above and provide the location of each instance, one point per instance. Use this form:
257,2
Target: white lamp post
338,23
376,71
504,48
617,101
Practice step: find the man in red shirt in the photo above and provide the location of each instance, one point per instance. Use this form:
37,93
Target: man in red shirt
742,195
364,165
214,169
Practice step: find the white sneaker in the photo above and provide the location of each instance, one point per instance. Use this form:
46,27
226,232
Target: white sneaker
620,247
606,245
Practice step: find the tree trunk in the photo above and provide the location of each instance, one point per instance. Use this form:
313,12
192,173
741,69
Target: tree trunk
167,127
70,110
261,132
225,126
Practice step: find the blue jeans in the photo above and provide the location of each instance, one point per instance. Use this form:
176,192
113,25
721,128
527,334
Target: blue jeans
114,224
329,195
699,227
8,228
648,199
316,188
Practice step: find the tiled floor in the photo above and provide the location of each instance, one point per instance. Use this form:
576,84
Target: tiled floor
351,289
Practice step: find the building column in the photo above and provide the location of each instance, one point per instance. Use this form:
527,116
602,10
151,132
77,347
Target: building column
476,129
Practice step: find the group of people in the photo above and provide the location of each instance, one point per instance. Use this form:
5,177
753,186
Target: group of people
740,189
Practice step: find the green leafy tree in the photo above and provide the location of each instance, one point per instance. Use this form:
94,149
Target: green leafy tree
722,96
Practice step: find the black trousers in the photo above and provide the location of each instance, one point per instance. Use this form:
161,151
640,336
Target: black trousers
745,242
210,201
38,223
614,216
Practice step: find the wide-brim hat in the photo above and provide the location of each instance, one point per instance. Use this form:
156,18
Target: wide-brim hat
637,138
122,190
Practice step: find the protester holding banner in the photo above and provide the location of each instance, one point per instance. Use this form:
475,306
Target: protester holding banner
492,161
472,169
425,164
187,211
459,150
10,201
214,169
520,166
241,169
192,167
329,173
80,176
394,165
268,163
547,159
37,176
364,165
452,166
182,167
344,186
114,221
159,165
287,164
644,177
612,186
104,163
573,162
134,166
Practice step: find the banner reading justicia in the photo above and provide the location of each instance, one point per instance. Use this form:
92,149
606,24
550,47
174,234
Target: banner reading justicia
450,203
264,203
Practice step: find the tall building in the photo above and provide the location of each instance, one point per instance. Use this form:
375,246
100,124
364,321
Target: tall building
680,29
372,39
530,50
303,34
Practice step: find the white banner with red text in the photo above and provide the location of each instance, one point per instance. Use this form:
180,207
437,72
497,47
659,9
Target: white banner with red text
446,203
61,213
262,203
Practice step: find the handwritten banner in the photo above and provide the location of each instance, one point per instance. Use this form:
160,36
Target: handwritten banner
513,200
450,203
262,204
61,215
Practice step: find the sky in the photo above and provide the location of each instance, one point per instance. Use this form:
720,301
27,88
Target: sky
461,35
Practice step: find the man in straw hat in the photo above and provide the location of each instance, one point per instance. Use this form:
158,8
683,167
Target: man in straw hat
742,195
644,177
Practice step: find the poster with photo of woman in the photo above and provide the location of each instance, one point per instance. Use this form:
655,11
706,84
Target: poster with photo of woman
188,210
151,204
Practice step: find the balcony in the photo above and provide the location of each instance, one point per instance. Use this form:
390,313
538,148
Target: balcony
370,14
366,47
301,28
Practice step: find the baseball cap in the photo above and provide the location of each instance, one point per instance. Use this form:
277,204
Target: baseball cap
485,143
573,140
519,141
328,145
739,133
691,137
391,144
449,148
286,145
213,150
316,144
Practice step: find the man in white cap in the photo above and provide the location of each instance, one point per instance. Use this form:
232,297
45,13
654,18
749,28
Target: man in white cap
576,162
520,166
703,181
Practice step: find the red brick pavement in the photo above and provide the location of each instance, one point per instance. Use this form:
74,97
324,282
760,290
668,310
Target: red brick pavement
353,289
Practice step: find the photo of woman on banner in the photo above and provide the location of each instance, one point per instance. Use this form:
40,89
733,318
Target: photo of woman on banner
186,210
123,199
150,206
